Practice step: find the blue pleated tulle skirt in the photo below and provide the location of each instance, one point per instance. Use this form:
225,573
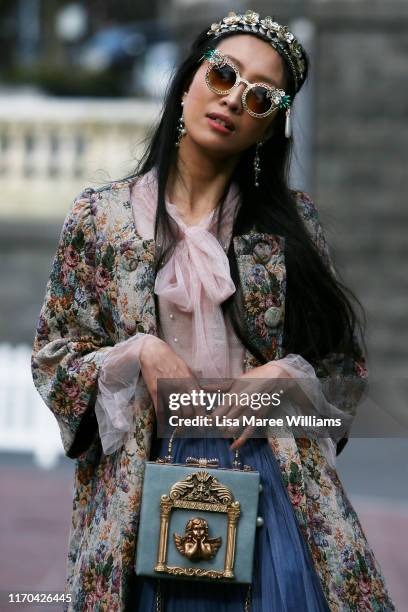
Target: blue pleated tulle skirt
284,579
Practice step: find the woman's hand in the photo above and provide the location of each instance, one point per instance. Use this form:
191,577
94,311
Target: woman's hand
158,360
269,375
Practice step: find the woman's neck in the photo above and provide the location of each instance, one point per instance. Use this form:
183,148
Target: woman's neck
197,183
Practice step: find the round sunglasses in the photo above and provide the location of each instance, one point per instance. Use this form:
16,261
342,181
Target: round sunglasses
258,99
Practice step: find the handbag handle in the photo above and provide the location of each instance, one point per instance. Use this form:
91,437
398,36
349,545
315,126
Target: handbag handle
236,463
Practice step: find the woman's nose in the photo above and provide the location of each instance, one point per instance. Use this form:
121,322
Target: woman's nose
234,98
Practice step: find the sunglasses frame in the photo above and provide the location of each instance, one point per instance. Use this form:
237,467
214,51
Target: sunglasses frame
216,59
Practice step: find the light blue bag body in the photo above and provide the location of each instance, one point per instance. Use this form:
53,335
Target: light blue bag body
197,521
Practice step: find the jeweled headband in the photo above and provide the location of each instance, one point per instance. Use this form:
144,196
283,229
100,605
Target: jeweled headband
281,39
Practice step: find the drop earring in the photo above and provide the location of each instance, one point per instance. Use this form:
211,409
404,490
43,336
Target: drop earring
181,129
257,163
288,124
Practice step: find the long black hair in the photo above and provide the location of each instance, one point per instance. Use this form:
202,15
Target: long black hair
319,316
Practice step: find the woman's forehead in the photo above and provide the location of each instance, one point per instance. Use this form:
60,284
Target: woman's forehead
256,56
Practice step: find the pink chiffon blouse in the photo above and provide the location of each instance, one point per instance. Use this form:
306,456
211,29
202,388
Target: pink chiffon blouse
191,287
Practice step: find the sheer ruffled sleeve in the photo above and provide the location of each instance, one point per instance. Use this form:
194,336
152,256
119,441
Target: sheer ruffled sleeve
117,386
319,401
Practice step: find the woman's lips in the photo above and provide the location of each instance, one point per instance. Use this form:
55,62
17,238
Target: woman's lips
218,126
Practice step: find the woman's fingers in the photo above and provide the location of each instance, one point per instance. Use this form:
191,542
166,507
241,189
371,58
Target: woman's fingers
190,384
158,361
246,392
247,433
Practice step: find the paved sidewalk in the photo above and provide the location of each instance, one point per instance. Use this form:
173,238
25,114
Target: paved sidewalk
34,523
386,527
35,519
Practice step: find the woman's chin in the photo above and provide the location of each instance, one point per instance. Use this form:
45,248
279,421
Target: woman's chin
213,143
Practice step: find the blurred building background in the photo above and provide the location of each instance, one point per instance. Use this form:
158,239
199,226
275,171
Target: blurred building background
80,87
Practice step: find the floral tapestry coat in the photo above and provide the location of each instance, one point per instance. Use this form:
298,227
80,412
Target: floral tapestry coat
100,292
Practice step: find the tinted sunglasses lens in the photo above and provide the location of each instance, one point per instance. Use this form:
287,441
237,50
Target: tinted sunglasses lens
257,100
221,77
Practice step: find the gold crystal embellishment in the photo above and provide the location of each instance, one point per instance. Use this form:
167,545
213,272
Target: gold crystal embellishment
251,17
232,18
215,27
269,24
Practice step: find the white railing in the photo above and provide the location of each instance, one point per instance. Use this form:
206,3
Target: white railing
26,423
51,148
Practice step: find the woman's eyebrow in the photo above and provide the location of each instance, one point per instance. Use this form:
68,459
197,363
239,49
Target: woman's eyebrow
257,76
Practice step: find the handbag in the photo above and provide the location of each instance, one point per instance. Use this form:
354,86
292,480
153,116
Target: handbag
198,521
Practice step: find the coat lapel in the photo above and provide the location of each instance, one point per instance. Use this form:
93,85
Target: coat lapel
134,265
261,265
262,272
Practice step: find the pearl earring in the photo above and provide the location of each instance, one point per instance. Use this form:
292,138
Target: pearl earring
288,124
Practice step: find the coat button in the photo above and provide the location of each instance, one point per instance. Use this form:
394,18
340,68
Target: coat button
262,252
273,316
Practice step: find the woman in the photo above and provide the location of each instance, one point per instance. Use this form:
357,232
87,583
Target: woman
204,262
